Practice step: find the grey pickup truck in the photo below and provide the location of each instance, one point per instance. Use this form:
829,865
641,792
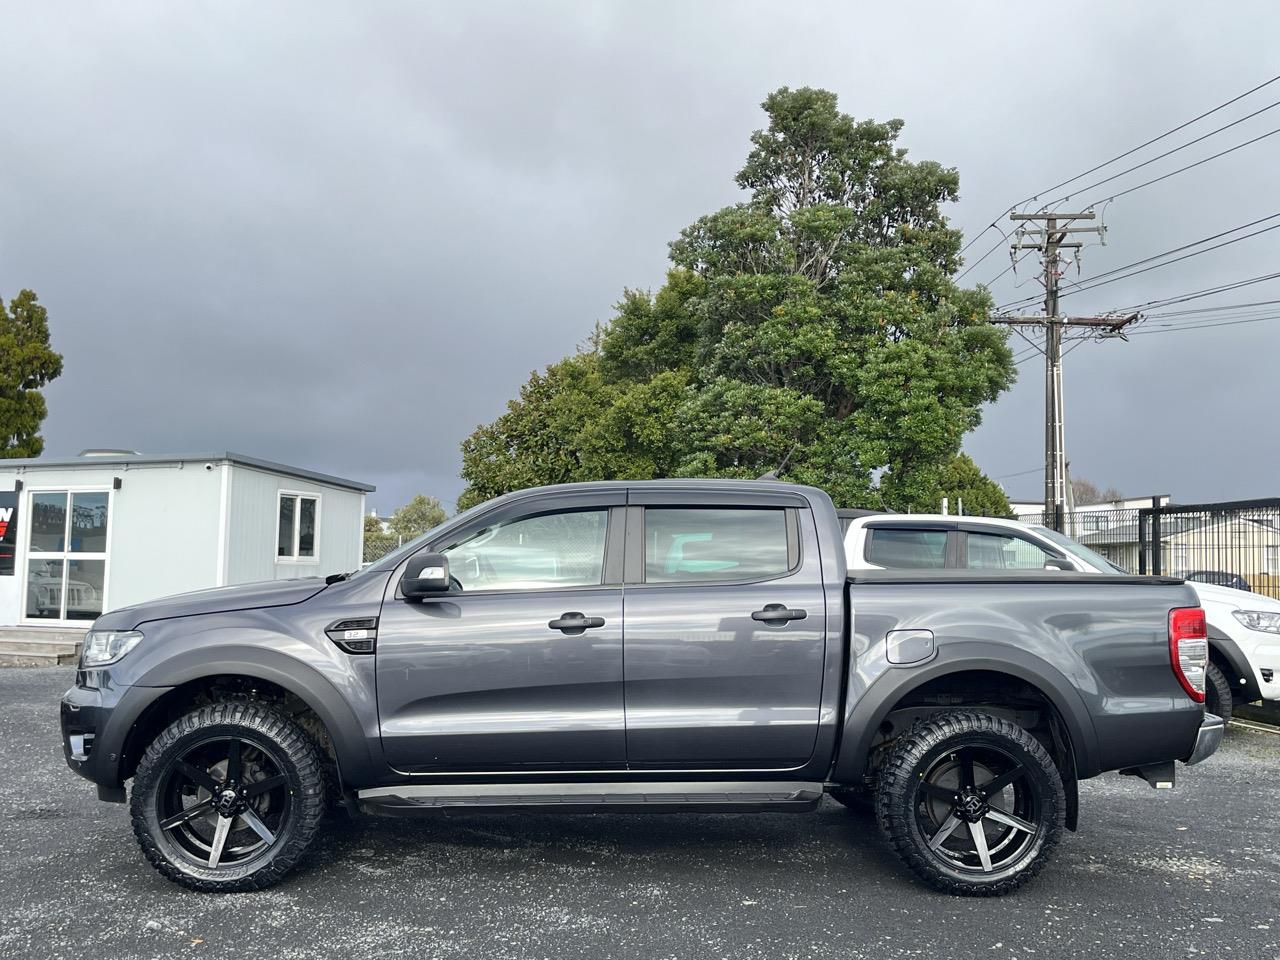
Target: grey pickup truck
647,647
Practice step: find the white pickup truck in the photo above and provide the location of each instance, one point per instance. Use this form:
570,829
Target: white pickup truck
1244,628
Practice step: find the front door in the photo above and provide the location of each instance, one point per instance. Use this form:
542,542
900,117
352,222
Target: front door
65,578
521,666
726,636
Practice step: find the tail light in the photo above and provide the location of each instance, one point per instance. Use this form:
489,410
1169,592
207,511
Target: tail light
1189,649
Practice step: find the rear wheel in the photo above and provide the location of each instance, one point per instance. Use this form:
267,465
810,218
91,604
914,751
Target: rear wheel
972,803
1217,692
228,797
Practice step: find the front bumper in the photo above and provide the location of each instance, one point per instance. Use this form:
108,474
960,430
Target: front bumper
95,727
1207,740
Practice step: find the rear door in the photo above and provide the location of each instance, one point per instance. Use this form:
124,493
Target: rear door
725,631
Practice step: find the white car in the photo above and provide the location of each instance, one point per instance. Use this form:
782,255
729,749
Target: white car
1244,628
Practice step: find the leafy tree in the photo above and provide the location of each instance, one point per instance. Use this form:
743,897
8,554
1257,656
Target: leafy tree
416,517
27,363
1084,492
969,488
816,323
372,525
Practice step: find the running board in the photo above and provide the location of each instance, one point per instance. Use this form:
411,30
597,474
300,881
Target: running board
648,797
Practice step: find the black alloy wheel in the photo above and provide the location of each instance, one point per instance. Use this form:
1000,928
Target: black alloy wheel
228,797
971,802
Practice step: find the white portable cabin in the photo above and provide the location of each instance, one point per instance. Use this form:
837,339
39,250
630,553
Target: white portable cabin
108,529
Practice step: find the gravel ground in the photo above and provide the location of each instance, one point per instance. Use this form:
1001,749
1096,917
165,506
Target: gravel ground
1151,875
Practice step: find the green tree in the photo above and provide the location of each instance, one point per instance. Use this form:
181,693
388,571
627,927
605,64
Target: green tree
816,323
968,488
372,525
27,363
416,517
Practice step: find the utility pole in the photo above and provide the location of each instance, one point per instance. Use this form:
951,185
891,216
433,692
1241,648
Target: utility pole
1050,240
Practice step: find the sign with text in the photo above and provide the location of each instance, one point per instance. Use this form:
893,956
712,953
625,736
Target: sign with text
8,531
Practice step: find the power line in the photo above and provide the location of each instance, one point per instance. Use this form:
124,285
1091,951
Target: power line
1106,163
1202,326
1007,476
1198,294
999,244
1143,146
1099,281
1167,153
1225,306
1191,166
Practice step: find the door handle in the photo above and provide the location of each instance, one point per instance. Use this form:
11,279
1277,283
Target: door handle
574,624
778,613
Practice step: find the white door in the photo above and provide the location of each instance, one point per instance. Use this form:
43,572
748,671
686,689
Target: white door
65,573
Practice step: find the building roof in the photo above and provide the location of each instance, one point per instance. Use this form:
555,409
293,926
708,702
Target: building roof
127,459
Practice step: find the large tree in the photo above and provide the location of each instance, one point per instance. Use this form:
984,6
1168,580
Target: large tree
27,364
970,491
815,324
416,517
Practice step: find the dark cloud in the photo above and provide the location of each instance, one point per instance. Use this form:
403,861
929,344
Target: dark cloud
342,237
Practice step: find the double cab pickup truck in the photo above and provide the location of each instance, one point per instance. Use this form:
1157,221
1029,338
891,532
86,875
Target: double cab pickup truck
638,647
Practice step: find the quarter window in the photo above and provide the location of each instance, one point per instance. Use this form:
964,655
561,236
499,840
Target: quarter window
532,553
690,545
296,527
907,549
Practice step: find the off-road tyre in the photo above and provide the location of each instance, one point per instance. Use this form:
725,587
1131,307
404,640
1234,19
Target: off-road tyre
1218,698
301,801
903,806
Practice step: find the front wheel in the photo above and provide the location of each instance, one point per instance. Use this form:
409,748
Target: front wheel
228,797
971,802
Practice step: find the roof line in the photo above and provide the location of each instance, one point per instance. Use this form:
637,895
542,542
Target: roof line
225,456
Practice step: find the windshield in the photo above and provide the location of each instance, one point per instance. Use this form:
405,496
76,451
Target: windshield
1079,550
390,561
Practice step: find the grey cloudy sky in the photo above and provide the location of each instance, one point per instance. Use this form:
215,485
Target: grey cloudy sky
341,235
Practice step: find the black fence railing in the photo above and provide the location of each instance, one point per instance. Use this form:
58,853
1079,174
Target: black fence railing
1234,544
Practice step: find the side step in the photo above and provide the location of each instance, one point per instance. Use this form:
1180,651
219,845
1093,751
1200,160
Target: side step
647,797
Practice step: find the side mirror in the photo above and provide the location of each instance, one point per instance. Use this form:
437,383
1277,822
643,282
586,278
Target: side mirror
427,575
1058,563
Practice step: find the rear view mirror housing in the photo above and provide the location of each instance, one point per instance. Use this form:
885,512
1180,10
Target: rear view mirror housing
425,575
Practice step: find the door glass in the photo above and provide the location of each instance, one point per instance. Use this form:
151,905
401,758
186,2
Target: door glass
48,522
994,551
44,589
551,550
907,549
284,528
89,522
85,582
306,527
684,545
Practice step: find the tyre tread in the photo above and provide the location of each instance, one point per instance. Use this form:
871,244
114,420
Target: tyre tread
898,773
288,736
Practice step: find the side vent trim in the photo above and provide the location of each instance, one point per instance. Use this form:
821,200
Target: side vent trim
357,636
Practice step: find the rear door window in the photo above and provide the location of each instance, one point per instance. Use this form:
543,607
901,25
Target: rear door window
683,545
907,549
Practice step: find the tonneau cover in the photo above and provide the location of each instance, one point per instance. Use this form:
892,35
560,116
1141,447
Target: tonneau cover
1002,576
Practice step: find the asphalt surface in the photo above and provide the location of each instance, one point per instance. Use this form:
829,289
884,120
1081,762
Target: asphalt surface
1151,875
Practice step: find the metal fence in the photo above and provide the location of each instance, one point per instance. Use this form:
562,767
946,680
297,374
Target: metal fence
377,546
1235,544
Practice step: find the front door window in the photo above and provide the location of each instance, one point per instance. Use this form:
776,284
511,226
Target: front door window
67,555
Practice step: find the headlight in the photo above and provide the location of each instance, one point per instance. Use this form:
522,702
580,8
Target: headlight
107,646
1262,620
